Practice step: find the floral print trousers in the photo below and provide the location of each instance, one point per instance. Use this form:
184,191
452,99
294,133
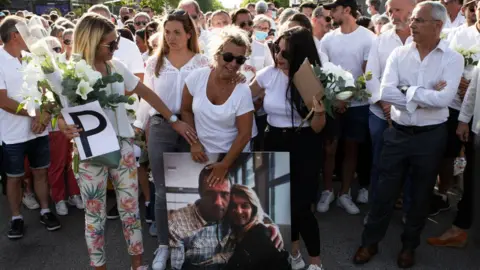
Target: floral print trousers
93,186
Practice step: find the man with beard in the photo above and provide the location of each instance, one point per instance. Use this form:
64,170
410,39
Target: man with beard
199,233
399,12
420,81
350,123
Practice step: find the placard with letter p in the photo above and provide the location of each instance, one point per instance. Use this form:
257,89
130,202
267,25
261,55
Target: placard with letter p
98,136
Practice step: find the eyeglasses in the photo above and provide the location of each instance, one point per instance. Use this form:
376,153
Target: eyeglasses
67,42
113,45
229,57
125,18
57,49
284,54
138,23
328,19
245,23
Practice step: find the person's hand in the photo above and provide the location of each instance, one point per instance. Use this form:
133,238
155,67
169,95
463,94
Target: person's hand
463,131
340,106
276,236
218,174
239,78
250,68
186,131
386,107
318,105
198,154
70,131
440,85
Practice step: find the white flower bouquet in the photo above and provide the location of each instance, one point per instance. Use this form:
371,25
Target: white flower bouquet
339,85
469,60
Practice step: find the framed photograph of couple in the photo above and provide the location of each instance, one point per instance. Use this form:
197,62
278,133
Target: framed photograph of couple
242,222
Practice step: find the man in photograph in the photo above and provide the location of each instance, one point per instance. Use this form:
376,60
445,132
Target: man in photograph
199,233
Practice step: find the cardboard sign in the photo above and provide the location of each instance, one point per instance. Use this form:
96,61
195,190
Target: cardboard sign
98,136
308,84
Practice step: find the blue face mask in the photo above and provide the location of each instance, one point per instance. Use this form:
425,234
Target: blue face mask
260,35
369,11
274,15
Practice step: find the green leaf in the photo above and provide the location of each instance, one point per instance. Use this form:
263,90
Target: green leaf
20,107
54,121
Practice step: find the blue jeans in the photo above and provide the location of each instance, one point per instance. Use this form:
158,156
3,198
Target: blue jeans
162,139
37,150
377,127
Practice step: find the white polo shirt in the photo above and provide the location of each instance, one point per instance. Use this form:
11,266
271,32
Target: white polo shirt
14,128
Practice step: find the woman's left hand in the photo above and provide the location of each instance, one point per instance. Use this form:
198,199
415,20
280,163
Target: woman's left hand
239,78
276,236
318,106
219,171
186,131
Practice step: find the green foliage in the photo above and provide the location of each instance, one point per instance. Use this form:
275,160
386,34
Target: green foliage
217,5
5,3
281,3
157,5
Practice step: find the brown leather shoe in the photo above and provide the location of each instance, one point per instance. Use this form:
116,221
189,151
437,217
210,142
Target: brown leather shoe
459,240
365,254
406,258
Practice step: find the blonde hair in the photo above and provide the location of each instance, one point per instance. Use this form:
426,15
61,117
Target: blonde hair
257,214
89,32
230,34
189,27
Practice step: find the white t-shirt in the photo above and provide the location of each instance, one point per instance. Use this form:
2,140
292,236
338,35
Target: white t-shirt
261,56
349,51
322,55
14,128
216,124
275,103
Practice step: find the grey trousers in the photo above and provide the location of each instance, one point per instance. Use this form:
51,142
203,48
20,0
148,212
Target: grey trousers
415,150
162,139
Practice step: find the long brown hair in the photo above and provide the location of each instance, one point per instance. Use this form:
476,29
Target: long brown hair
189,27
257,210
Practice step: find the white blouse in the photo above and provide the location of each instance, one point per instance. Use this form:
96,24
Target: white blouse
216,124
169,84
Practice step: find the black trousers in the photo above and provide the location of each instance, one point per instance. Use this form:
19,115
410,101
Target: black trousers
305,148
418,150
464,216
258,141
2,173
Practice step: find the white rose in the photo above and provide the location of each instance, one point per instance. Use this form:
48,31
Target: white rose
92,77
39,49
81,68
344,95
83,89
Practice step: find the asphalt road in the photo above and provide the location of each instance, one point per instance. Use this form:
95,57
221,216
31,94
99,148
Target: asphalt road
340,232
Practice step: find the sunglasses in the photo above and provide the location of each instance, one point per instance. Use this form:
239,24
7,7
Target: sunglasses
328,19
112,46
243,24
126,18
229,57
141,23
67,42
57,49
284,54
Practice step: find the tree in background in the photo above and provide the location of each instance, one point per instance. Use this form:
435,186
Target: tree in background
5,3
279,3
210,5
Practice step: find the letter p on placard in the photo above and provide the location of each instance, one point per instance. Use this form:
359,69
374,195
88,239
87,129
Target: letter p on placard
98,136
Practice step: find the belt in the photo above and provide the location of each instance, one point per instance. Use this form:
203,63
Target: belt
416,129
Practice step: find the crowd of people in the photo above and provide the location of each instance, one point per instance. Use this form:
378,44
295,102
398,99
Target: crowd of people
223,82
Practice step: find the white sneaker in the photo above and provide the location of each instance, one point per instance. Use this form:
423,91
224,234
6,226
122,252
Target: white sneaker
62,209
29,201
362,196
345,202
76,200
161,257
315,267
297,263
325,200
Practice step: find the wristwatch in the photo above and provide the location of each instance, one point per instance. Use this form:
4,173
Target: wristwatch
173,119
403,89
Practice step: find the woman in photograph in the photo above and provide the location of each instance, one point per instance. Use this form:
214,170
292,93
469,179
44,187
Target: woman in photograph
96,40
178,55
285,112
220,111
254,249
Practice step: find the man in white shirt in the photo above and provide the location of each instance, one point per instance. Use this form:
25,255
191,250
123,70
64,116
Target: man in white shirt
399,12
352,123
420,81
22,135
467,38
455,17
124,15
321,25
468,10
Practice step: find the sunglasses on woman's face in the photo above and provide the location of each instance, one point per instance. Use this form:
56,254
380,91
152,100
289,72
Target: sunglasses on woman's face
243,24
143,23
328,19
229,57
284,54
67,42
57,49
113,45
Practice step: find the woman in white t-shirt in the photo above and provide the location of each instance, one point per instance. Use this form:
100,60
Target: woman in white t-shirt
285,110
178,56
96,40
221,112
